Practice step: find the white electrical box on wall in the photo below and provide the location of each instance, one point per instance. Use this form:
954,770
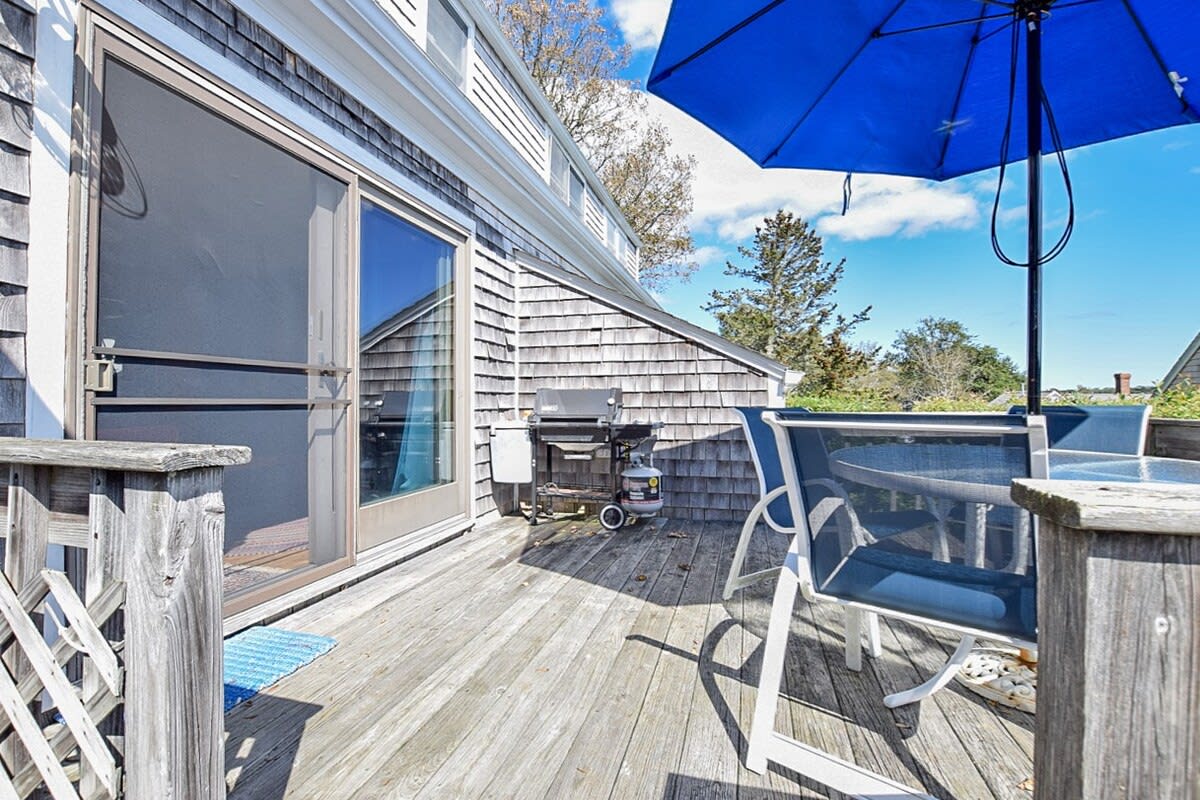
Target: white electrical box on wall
512,452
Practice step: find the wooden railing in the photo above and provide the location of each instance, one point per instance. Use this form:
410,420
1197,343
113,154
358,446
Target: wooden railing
1118,712
110,620
1174,438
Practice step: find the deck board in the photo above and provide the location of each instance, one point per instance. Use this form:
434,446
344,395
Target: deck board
496,667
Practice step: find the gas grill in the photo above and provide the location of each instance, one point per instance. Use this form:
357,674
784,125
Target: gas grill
581,424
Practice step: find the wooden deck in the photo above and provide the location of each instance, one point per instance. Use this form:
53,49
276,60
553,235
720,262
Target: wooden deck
564,662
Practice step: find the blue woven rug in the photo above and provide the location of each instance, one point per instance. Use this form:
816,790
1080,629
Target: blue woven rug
258,657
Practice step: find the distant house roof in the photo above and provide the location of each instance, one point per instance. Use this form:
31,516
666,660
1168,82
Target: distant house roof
1187,367
669,322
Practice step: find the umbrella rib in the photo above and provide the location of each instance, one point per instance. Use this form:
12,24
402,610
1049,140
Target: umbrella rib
962,85
1162,65
833,81
666,73
940,25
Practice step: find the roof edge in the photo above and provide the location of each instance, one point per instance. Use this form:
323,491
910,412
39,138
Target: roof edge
1181,362
660,318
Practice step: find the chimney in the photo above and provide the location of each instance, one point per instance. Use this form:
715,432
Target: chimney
1122,383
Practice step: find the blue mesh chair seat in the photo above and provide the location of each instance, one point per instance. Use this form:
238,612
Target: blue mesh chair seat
773,508
911,583
854,484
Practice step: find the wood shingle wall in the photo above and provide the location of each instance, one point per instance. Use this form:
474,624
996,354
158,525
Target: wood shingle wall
569,339
16,109
1190,371
494,356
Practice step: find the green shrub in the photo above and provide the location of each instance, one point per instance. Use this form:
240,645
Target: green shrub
1181,401
957,404
844,401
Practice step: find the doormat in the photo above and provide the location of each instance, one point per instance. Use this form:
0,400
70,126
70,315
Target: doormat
258,657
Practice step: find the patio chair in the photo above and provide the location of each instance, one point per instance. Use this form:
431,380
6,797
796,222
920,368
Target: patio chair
773,510
1096,429
962,458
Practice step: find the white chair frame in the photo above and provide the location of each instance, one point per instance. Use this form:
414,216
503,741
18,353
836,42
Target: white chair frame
858,623
765,744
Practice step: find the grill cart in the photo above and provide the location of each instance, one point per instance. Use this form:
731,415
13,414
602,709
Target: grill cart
580,424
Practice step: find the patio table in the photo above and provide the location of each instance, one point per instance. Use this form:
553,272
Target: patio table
981,475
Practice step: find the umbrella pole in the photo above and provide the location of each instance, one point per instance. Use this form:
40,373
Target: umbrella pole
1033,117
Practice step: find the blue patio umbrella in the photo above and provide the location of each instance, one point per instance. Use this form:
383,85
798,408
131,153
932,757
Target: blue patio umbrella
933,88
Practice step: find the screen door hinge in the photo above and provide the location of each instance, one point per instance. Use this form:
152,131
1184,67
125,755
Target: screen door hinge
98,374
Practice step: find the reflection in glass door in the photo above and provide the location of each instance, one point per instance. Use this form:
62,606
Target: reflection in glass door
218,290
407,468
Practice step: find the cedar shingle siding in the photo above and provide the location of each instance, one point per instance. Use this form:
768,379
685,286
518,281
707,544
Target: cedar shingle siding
1191,370
569,339
494,351
16,109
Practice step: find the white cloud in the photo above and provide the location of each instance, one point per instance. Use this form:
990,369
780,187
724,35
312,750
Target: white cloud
1010,216
707,255
732,194
641,21
1195,170
905,209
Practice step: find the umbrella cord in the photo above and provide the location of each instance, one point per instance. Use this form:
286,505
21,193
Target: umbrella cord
1060,155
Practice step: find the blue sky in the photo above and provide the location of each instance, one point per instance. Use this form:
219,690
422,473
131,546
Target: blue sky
1124,296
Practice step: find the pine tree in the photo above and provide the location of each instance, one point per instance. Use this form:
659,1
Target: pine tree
786,311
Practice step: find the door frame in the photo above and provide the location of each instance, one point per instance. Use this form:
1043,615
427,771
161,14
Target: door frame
110,40
420,509
98,34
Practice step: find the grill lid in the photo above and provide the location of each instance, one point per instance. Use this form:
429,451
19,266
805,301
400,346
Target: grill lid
592,406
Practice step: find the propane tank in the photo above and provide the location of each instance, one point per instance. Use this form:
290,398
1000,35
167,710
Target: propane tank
641,488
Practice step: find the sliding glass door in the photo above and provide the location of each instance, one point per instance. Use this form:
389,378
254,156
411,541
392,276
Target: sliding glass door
409,396
218,288
242,289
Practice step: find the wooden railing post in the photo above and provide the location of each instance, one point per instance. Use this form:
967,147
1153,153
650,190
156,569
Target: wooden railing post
1118,638
174,717
147,625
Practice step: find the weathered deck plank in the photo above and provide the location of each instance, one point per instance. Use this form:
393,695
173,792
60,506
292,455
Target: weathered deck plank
421,627
530,735
554,730
494,668
998,741
658,730
923,727
588,771
396,724
477,711
708,767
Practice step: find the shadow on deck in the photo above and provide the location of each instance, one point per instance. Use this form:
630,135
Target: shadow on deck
565,662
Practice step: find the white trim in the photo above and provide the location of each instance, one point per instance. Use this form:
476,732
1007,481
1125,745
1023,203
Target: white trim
487,22
654,315
358,46
47,312
780,388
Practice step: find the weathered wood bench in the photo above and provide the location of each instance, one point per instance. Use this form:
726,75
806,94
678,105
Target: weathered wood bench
110,619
